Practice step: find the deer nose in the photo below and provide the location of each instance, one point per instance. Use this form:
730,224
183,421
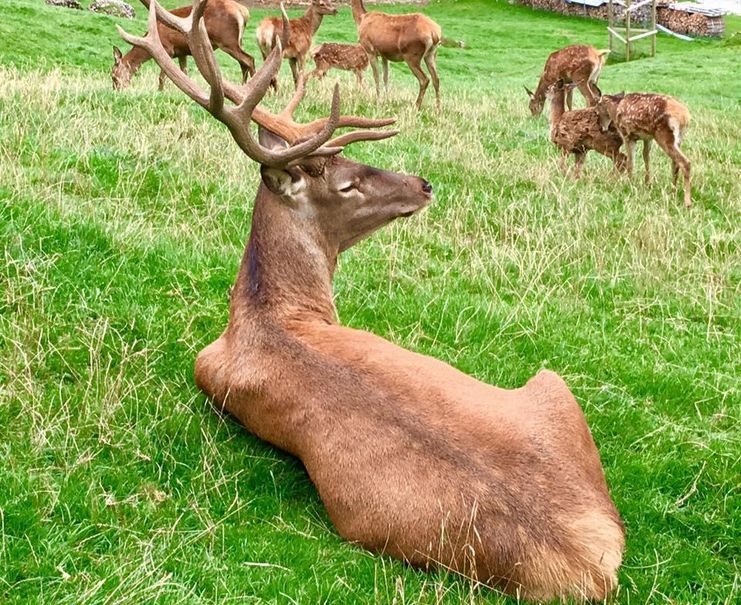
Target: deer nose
426,186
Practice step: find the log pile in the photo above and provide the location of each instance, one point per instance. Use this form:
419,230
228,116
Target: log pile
305,3
684,18
687,18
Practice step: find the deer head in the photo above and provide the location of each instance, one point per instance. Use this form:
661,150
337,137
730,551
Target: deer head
121,71
536,102
335,199
607,109
324,7
342,200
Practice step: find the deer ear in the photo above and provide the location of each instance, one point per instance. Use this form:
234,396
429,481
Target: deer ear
270,140
117,54
289,183
528,91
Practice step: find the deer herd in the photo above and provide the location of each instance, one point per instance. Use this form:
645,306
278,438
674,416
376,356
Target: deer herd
410,457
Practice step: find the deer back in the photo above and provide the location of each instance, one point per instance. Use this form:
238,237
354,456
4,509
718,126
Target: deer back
394,36
342,56
645,112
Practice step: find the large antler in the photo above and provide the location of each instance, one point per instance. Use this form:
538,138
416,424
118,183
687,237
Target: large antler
304,139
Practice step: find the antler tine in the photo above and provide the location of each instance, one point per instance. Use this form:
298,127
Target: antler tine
361,135
203,54
296,99
360,122
153,45
315,142
181,24
285,35
238,127
305,139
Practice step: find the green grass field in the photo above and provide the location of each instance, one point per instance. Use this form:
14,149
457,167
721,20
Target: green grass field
123,218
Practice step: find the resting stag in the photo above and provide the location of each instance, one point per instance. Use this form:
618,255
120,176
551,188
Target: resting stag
410,456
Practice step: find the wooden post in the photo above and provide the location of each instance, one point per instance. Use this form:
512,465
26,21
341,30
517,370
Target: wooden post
627,30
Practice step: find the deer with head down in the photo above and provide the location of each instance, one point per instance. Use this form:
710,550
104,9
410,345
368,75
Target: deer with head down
410,456
576,132
302,32
348,57
411,38
225,21
580,64
648,116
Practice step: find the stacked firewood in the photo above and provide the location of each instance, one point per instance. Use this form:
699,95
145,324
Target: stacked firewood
693,19
684,18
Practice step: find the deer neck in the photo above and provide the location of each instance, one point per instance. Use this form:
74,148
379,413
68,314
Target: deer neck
287,268
358,10
543,85
556,109
314,18
134,59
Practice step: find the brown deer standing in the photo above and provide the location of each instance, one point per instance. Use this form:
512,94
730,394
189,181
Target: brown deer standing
302,33
580,64
225,21
648,117
410,456
410,38
349,57
576,132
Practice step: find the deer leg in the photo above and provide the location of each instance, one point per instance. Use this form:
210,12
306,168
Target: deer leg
161,80
569,97
424,81
562,162
630,145
611,150
301,69
294,70
246,62
374,66
680,161
579,164
359,78
183,62
385,64
618,161
432,68
586,91
646,154
675,175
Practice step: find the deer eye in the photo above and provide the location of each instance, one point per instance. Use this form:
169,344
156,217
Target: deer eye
347,188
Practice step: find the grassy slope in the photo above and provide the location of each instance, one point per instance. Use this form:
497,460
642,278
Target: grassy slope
122,219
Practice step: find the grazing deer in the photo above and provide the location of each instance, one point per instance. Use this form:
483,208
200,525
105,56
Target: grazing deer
410,38
349,57
302,33
580,64
225,21
410,456
576,132
648,117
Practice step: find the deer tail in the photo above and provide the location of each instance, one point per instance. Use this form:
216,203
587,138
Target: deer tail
244,10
